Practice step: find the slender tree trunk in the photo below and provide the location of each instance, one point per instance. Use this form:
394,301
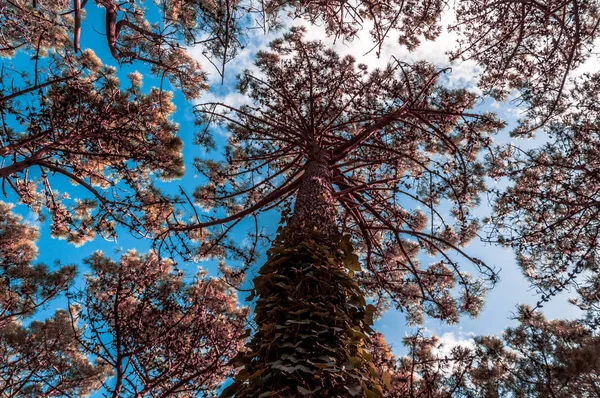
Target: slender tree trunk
312,319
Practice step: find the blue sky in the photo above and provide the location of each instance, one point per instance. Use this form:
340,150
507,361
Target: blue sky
500,304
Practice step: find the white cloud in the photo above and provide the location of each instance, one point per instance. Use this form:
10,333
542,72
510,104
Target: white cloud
231,98
463,73
591,64
449,340
33,219
225,92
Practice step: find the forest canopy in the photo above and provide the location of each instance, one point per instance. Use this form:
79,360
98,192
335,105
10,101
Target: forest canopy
299,198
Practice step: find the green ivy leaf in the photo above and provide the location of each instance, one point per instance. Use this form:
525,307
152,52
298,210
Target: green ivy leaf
387,380
354,390
230,390
351,262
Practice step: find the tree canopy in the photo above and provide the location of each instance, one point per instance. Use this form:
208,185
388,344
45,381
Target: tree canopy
390,138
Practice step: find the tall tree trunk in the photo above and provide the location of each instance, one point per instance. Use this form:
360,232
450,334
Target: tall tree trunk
314,207
312,319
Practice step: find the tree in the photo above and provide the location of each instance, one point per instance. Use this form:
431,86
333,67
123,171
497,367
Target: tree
554,195
88,129
156,334
529,46
126,136
353,148
159,335
70,117
25,287
149,331
353,123
45,359
537,358
410,20
42,358
42,25
554,358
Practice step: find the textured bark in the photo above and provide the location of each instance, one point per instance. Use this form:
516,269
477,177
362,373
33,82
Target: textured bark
314,208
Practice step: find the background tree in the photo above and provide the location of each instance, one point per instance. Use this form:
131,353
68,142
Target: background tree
41,25
45,359
161,336
529,46
554,358
40,358
150,332
106,139
550,212
24,286
407,20
536,358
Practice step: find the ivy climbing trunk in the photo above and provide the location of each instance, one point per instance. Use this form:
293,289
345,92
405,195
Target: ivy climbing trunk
313,323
